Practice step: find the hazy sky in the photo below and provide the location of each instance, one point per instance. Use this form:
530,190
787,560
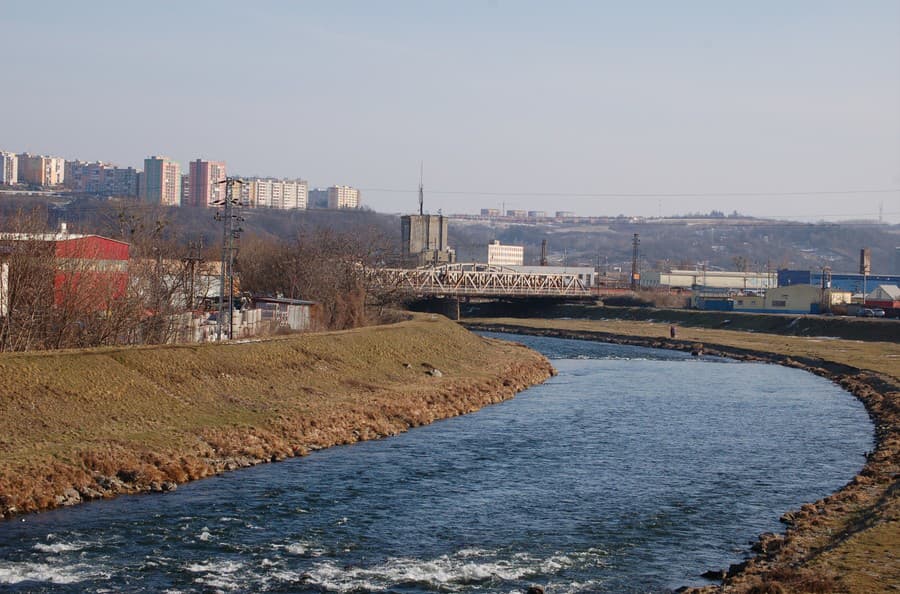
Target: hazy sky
566,101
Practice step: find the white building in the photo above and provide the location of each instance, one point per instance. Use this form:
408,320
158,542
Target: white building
343,197
283,194
505,255
9,168
714,279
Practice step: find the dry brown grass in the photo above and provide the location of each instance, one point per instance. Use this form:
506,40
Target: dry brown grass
126,419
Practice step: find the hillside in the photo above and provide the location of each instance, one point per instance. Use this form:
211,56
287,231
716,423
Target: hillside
689,242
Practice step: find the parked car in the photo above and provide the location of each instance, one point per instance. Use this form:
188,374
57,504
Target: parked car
866,313
878,312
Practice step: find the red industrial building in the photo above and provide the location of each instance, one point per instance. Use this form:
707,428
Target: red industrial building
93,267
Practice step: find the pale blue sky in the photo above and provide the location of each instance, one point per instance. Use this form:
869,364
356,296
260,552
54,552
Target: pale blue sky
557,99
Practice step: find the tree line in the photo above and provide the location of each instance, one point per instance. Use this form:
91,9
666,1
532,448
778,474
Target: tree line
57,294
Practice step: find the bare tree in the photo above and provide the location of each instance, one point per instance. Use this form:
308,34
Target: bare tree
330,267
26,284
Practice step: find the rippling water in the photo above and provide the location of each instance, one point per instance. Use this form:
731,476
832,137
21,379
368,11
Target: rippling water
634,470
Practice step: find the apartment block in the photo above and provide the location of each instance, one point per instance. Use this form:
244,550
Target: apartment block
205,188
81,174
119,181
258,192
161,181
343,197
41,170
9,168
101,179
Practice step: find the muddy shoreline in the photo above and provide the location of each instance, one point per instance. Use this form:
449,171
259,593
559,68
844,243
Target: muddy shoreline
817,549
79,426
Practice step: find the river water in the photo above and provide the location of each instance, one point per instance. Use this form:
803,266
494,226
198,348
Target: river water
633,470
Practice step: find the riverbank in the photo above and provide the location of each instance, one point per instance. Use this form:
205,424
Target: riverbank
90,424
846,542
850,328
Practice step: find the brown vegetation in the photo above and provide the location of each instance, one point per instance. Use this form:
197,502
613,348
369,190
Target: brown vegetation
846,542
77,425
323,265
154,298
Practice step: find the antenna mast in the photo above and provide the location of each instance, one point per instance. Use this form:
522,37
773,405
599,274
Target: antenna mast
421,189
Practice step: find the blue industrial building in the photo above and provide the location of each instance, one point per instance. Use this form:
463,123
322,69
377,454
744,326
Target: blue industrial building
839,281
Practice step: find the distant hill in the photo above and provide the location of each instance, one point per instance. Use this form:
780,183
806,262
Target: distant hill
721,243
730,242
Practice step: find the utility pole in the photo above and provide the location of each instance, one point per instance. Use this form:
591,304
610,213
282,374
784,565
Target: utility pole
826,289
421,189
195,249
229,234
865,268
635,272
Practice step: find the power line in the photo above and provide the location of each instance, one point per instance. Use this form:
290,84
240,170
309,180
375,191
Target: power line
645,194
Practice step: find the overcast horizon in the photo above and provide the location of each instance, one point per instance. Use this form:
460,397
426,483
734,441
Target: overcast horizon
772,109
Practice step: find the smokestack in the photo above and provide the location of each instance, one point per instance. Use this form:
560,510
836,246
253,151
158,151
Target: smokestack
543,252
865,261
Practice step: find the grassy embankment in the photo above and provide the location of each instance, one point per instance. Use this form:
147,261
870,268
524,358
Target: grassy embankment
853,328
846,542
78,425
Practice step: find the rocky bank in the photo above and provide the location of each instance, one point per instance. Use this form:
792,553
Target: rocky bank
90,424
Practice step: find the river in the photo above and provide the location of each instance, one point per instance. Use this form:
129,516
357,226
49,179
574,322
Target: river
633,470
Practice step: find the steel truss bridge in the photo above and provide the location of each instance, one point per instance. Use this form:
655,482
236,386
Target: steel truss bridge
480,280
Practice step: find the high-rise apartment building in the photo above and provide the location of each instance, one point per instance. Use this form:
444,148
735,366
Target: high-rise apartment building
285,194
185,189
9,168
205,188
41,170
161,181
343,197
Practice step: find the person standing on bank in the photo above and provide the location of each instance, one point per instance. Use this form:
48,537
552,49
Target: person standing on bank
672,331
